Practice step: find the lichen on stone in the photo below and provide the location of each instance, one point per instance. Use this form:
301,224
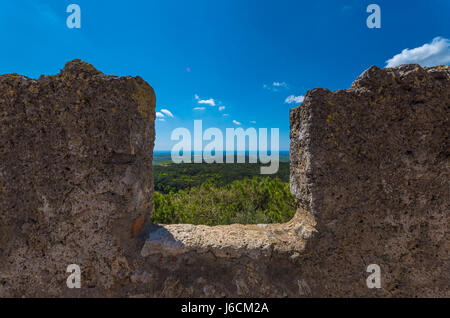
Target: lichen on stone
145,99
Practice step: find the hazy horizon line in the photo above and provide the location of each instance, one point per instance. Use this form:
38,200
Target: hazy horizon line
224,151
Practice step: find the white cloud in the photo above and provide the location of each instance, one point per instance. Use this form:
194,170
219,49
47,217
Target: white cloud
199,108
159,115
167,112
430,54
221,108
252,122
209,102
279,84
161,119
275,86
236,122
294,99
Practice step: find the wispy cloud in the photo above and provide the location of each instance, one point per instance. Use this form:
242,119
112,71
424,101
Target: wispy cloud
221,108
252,122
167,112
236,122
199,108
209,102
47,12
276,86
294,99
226,115
279,84
430,54
159,115
161,119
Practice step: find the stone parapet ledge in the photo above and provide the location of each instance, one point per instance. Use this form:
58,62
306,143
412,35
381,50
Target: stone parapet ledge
231,241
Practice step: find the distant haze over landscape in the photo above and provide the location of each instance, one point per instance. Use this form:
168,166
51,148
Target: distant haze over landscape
160,156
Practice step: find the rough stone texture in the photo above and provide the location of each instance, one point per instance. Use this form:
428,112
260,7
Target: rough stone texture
75,178
228,261
369,168
229,241
371,163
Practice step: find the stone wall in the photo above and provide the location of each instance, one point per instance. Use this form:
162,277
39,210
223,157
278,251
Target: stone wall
75,178
369,168
371,163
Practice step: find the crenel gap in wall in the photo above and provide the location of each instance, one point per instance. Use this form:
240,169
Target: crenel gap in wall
220,193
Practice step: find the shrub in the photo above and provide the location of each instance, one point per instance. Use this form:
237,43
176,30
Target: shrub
247,201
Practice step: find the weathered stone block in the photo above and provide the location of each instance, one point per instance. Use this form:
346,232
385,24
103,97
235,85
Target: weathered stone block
371,163
75,178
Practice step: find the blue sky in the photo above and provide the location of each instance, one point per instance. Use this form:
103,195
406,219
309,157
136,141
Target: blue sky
249,56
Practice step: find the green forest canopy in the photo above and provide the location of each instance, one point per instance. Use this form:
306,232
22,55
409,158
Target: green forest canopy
215,194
